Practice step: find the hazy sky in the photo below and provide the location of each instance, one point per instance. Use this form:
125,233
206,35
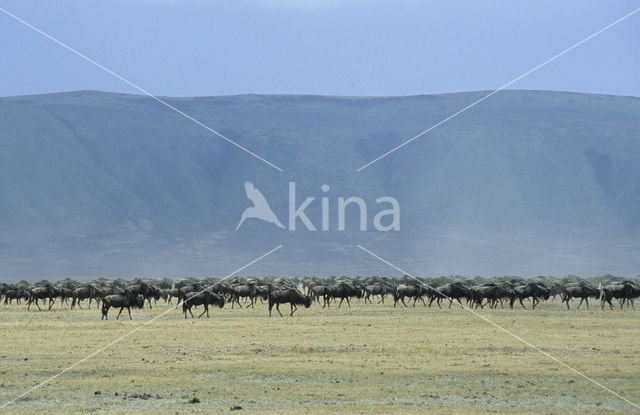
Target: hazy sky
197,47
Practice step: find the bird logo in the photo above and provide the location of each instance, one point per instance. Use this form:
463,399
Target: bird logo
260,209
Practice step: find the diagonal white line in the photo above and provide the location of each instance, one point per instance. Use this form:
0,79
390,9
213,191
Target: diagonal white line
163,102
515,336
133,331
500,89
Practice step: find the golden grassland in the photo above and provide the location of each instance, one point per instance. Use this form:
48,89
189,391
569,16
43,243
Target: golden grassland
364,359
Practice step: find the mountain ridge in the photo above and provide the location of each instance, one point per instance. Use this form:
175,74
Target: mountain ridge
89,178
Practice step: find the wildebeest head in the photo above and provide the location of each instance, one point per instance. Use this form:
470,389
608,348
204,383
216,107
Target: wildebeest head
307,301
139,301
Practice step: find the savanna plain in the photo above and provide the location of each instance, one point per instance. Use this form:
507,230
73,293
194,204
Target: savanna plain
364,359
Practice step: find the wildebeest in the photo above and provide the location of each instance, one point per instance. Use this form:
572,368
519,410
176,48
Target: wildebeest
89,291
624,291
580,290
43,293
491,292
148,291
377,289
413,291
535,290
452,291
342,290
291,296
318,291
126,300
241,290
15,292
204,298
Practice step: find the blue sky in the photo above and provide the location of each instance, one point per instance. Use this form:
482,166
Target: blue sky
197,47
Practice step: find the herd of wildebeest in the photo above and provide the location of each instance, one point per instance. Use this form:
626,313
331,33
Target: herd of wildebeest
296,291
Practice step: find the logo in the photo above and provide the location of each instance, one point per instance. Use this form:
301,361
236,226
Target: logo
261,210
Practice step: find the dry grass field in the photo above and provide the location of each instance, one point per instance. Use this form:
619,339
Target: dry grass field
363,359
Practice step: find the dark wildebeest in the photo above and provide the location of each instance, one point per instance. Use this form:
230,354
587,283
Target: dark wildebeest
65,294
490,292
291,296
580,290
415,292
43,293
261,292
88,291
242,290
318,291
204,298
125,300
624,291
452,291
146,290
377,289
15,292
172,292
342,290
535,290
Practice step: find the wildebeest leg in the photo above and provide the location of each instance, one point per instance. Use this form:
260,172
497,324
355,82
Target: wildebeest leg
51,303
89,303
129,310
341,300
581,300
270,307
366,298
37,304
522,304
206,310
149,299
403,303
121,308
105,310
348,303
292,310
425,304
278,309
382,300
450,302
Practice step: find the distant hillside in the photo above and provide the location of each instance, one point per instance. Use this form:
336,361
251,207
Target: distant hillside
527,183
